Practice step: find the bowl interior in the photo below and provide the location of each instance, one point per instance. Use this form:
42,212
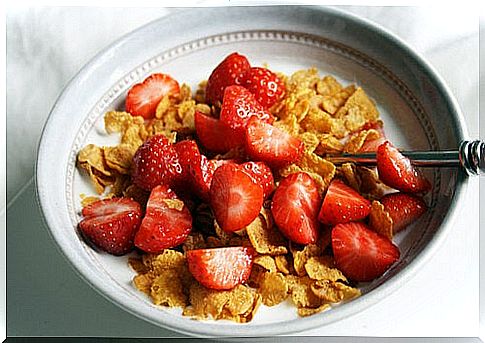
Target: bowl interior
407,95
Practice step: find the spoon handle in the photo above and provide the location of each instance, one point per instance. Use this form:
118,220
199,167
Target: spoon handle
470,156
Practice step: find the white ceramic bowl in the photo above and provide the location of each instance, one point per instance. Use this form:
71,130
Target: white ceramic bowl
417,108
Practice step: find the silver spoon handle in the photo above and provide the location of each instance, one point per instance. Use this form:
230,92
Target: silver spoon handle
470,155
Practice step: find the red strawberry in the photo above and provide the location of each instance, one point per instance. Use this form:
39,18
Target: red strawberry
215,135
166,224
261,173
156,162
360,253
404,209
343,204
238,107
264,84
221,268
227,73
266,143
295,208
111,224
396,171
143,98
235,197
188,155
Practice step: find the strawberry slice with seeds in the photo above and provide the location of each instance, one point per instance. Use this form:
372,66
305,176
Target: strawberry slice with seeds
239,105
266,143
228,72
156,162
295,207
166,224
396,171
143,98
235,197
221,268
360,253
261,174
264,84
111,224
343,204
214,134
404,209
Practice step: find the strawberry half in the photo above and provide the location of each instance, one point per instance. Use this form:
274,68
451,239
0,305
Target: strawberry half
264,84
228,72
166,224
111,224
360,253
235,197
343,204
266,143
221,268
156,162
143,98
396,171
295,208
261,174
404,209
214,134
238,106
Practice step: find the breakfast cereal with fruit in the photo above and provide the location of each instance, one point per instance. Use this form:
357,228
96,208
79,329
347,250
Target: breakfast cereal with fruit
228,197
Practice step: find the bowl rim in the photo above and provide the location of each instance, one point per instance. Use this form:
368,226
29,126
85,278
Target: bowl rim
208,329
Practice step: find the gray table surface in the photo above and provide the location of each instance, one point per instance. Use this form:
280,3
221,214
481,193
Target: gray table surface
45,297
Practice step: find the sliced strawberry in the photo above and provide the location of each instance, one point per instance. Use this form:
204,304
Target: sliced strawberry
221,268
264,84
111,224
156,162
343,204
295,207
396,171
262,174
266,143
235,197
166,224
239,105
227,73
188,155
215,135
404,209
143,98
360,253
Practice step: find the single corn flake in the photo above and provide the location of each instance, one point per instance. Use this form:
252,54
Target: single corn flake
322,268
348,171
310,141
358,110
333,291
380,220
265,237
282,264
301,256
328,85
267,262
119,158
273,288
167,289
301,292
116,121
163,107
332,103
328,144
308,311
93,155
355,142
143,282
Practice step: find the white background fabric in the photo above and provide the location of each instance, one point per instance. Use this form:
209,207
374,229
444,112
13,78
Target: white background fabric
47,46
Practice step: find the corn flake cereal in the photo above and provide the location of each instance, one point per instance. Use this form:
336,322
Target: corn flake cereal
380,220
267,262
322,268
265,237
308,311
355,143
273,288
333,291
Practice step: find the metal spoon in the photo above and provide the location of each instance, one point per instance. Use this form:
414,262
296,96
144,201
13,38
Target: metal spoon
470,156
